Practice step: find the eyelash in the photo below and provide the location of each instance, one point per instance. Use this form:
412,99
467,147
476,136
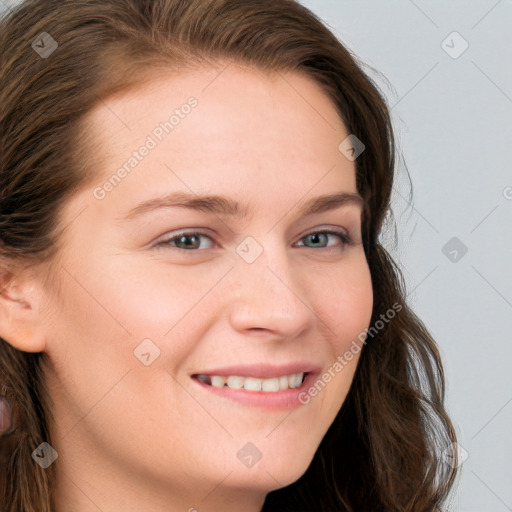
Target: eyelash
344,237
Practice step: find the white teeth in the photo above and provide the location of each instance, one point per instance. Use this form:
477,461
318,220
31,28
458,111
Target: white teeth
295,380
252,384
270,384
218,381
235,382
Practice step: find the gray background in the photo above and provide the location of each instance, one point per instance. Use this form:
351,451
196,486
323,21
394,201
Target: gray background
453,121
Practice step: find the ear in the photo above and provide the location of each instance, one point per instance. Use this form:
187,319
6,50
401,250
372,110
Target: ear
20,316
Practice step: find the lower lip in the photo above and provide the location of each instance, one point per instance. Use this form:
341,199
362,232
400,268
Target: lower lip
278,400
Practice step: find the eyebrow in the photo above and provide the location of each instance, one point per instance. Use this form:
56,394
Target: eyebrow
220,205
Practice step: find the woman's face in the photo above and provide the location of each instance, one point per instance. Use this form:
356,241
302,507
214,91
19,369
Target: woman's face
134,309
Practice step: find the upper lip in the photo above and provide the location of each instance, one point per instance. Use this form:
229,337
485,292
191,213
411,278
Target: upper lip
263,371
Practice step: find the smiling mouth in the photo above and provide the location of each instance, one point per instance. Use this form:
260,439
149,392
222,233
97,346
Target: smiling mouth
270,385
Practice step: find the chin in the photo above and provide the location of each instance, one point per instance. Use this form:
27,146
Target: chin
274,474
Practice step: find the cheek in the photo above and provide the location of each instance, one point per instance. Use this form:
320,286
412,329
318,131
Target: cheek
343,299
91,335
344,303
151,298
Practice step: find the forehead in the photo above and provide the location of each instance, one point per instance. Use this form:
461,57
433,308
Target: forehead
246,127
231,101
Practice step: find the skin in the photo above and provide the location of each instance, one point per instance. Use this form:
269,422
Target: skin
133,437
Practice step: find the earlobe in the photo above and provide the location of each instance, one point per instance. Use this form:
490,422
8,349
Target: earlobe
19,313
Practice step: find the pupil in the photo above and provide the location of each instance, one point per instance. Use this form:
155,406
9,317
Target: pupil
315,238
188,237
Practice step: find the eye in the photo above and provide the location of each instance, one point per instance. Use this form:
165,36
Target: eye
185,241
192,240
318,237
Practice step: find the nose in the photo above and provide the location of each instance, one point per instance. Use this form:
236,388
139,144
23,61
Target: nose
267,297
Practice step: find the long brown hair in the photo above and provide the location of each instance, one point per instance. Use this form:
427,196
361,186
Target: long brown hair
383,451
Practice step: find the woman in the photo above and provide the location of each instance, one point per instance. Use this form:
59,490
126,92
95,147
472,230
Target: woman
273,367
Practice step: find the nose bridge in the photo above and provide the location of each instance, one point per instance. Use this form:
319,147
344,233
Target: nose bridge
267,291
